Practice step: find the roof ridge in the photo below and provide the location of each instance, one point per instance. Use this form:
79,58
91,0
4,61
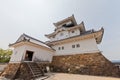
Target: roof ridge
25,35
33,38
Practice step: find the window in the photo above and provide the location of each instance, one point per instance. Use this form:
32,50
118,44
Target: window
73,46
73,31
62,48
77,45
59,48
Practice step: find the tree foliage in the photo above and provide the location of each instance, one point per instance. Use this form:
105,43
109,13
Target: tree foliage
5,55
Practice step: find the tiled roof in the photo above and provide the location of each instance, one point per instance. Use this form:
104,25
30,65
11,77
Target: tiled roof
98,39
25,37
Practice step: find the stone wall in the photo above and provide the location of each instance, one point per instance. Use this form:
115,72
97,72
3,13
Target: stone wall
17,71
88,64
44,65
23,72
10,71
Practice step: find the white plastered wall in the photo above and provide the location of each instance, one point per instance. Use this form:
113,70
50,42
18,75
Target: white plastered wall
76,32
65,34
86,46
17,54
39,53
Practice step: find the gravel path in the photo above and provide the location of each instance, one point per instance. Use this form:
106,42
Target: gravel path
2,66
63,76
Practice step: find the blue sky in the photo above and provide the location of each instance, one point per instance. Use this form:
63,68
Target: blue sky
36,18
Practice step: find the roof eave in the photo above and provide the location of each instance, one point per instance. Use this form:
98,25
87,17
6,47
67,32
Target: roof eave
99,38
27,42
54,33
15,44
69,18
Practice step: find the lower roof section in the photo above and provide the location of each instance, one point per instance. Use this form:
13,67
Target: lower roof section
21,43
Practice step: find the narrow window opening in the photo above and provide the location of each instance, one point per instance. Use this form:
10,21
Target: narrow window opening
73,46
62,48
59,48
78,45
73,31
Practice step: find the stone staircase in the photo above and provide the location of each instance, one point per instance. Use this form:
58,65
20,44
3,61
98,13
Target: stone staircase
35,70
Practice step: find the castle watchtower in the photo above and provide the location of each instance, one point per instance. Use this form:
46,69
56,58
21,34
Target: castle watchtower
72,38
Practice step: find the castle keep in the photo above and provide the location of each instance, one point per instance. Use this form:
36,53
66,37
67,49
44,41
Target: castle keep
68,38
71,48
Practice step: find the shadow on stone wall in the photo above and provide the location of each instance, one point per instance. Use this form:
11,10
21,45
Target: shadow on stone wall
88,64
21,71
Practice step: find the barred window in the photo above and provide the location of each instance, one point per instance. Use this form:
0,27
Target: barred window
77,45
59,48
73,31
62,48
73,46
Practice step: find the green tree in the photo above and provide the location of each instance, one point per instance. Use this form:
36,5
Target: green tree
5,55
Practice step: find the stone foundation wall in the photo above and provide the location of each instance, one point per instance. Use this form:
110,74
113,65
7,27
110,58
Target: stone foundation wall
10,71
17,70
44,65
23,72
88,64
